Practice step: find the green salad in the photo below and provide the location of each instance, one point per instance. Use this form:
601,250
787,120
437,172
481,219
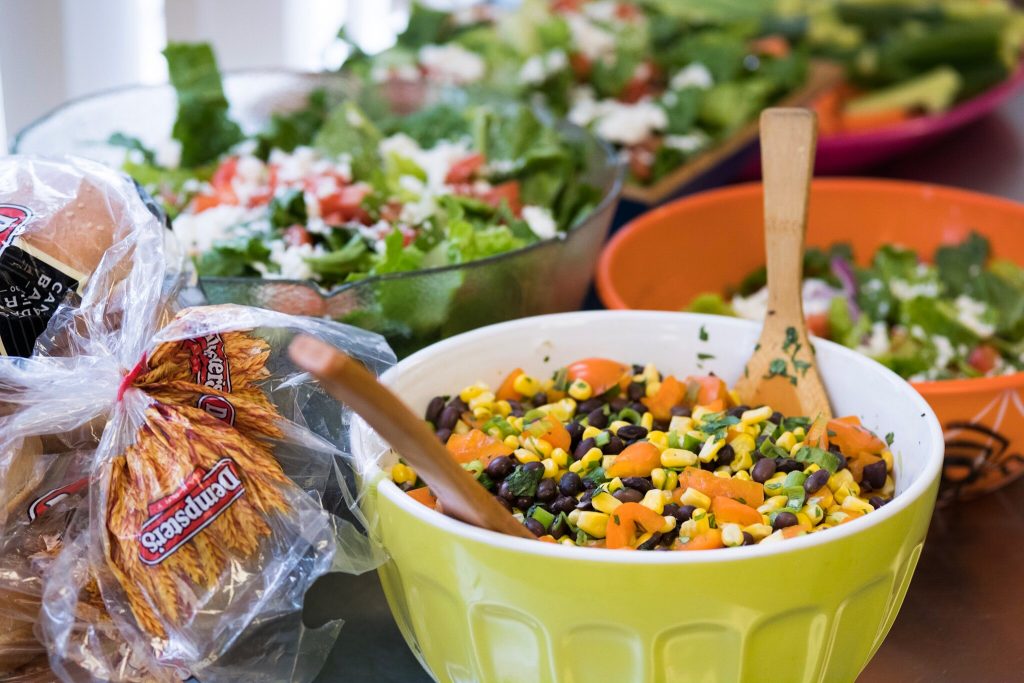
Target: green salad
961,315
668,79
338,191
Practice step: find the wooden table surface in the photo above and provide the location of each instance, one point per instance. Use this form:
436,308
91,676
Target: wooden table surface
960,620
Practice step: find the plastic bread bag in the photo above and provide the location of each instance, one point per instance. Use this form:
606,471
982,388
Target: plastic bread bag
205,519
83,255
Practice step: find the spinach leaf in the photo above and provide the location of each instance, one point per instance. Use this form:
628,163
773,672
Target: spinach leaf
233,258
133,143
523,482
288,131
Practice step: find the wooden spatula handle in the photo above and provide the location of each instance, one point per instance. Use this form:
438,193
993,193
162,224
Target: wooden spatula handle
348,381
787,162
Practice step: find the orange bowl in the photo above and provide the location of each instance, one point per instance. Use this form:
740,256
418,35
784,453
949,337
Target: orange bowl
709,241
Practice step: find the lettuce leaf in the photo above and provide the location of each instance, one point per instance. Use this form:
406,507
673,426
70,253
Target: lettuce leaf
288,131
348,130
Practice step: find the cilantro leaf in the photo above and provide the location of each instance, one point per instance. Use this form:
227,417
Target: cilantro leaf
132,143
523,482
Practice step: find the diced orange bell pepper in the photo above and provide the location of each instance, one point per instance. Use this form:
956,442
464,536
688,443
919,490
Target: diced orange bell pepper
709,389
547,538
600,373
793,531
552,430
817,435
745,491
853,438
475,445
857,462
729,510
636,460
423,496
506,392
622,529
670,394
708,540
817,325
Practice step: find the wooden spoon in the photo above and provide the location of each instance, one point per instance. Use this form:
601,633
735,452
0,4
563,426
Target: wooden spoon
783,371
348,381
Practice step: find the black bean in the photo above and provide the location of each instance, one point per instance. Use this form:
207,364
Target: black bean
449,416
842,458
584,502
597,418
783,520
747,539
638,407
877,501
517,408
761,438
726,455
776,417
788,465
874,475
535,527
639,483
684,512
660,425
668,538
636,391
443,435
709,466
651,543
583,446
547,490
458,404
570,484
681,411
628,495
564,504
631,432
638,369
575,430
614,446
533,467
523,503
738,410
590,405
500,467
618,403
589,484
763,470
434,409
504,503
539,399
670,510
815,481
505,491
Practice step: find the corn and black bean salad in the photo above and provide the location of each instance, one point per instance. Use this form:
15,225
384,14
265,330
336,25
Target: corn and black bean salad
602,454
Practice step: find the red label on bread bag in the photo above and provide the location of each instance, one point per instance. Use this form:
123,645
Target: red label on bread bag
189,509
12,222
210,368
51,498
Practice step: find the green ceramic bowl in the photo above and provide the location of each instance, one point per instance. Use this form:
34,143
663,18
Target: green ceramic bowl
476,606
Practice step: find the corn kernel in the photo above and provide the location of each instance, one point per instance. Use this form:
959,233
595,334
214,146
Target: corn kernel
511,441
839,478
743,442
484,398
854,489
550,468
592,457
659,439
677,457
652,389
710,449
842,493
607,461
563,409
824,498
605,502
742,462
658,478
543,447
576,467
669,525
786,441
734,396
815,513
461,428
615,484
692,496
580,390
644,537
574,517
756,415
516,422
403,474
482,413
811,469
503,408
647,420
799,432
855,504
560,457
680,424
758,531
594,523
654,500
567,540
889,489
474,390
887,457
526,385
700,518
651,372
732,535
524,456
590,432
671,480
742,474
772,504
724,472
838,517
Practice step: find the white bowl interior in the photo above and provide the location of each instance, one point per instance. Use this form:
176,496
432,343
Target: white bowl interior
856,385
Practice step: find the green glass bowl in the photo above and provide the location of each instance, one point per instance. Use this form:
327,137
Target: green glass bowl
475,605
411,309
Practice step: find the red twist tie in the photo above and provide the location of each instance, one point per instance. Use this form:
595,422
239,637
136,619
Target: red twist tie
130,378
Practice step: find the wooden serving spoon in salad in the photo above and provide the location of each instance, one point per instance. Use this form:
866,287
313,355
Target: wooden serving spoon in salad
348,381
783,371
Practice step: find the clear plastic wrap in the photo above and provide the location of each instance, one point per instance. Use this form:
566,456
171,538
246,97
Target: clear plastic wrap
169,477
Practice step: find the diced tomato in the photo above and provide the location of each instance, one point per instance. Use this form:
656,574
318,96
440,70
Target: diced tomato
641,84
567,5
627,11
345,205
463,170
202,202
508,192
297,235
983,358
818,325
391,211
225,173
581,65
772,46
267,193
